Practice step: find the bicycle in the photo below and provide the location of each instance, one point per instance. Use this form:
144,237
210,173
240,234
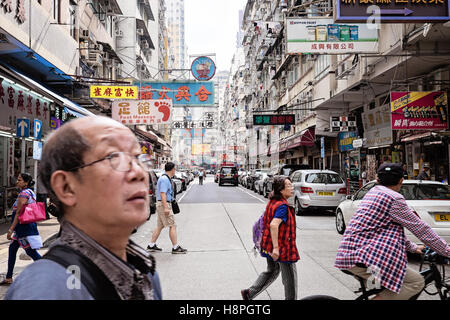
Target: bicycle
431,275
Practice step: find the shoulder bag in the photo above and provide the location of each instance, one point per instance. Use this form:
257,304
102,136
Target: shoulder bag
32,212
174,203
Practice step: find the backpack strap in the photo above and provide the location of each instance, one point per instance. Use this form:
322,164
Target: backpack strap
96,282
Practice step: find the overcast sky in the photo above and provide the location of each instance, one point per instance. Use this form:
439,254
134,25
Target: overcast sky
211,27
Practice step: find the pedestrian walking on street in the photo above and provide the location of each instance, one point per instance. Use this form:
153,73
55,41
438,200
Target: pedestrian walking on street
22,235
97,177
166,217
200,178
278,244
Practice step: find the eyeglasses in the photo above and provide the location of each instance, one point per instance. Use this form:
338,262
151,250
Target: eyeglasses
122,161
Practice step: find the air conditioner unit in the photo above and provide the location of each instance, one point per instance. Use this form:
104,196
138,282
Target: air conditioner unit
106,56
95,59
85,34
119,33
140,32
145,45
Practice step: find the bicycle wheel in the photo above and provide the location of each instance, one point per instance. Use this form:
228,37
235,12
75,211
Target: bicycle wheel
320,297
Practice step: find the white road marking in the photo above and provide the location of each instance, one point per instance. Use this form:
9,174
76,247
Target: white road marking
185,193
251,195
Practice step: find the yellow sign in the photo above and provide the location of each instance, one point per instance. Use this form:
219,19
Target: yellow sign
114,92
201,149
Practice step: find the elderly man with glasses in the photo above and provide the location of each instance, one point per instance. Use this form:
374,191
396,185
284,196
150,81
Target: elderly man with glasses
94,168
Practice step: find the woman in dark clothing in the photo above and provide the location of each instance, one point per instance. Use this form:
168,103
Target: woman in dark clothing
19,233
278,243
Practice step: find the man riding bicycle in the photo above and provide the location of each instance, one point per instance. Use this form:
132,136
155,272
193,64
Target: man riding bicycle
374,244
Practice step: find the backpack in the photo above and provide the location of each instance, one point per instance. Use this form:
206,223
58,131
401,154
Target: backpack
258,228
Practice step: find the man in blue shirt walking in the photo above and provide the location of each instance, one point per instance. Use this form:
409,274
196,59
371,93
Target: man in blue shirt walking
166,218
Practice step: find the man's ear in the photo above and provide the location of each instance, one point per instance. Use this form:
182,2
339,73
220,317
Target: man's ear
62,184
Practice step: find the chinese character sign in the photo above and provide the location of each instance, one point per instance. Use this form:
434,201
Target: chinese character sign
114,92
324,36
142,111
419,110
16,102
273,119
181,93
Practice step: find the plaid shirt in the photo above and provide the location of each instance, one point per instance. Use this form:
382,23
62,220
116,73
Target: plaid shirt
376,238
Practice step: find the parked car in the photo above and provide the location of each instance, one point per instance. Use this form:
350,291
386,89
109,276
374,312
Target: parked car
177,185
285,170
253,176
216,177
429,199
228,174
259,183
180,177
317,189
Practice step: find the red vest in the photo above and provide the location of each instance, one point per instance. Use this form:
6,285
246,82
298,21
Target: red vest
286,234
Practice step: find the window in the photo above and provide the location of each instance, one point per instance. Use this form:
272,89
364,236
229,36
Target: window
56,10
72,18
322,64
425,191
362,192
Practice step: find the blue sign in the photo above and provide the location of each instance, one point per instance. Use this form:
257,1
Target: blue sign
345,140
203,68
189,93
23,128
37,129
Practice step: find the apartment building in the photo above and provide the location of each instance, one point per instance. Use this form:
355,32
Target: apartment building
316,87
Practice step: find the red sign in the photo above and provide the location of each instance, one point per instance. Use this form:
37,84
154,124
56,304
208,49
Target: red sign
419,110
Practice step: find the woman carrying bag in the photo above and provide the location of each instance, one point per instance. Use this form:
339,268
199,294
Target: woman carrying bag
278,243
22,235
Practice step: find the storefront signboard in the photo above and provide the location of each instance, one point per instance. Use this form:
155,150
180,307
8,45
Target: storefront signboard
324,36
186,93
142,112
377,127
417,110
203,68
19,102
114,92
390,11
198,149
345,140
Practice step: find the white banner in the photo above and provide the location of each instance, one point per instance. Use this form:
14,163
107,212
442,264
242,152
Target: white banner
377,127
134,112
324,36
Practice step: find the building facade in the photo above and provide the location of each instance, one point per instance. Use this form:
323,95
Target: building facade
315,87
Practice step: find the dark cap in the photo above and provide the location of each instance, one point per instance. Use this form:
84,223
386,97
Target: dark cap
394,169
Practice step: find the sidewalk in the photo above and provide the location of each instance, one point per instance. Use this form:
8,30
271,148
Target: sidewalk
46,229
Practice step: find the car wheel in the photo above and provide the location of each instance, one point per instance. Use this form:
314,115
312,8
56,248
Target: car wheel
298,208
340,222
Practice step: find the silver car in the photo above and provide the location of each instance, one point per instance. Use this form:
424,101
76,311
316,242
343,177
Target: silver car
317,189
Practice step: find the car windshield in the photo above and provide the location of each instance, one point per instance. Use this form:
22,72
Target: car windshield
228,170
425,191
326,178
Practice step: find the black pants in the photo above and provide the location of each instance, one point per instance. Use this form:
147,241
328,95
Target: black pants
265,279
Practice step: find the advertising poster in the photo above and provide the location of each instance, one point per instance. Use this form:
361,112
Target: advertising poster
419,110
201,149
142,112
324,36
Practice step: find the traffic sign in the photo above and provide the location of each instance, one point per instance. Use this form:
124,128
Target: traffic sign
37,129
23,128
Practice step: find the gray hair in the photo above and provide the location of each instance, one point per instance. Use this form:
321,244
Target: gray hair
63,151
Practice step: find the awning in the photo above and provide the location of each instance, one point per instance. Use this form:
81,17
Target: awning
416,136
304,138
35,86
151,137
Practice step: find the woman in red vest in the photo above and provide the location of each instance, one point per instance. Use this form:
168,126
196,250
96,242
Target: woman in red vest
278,244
